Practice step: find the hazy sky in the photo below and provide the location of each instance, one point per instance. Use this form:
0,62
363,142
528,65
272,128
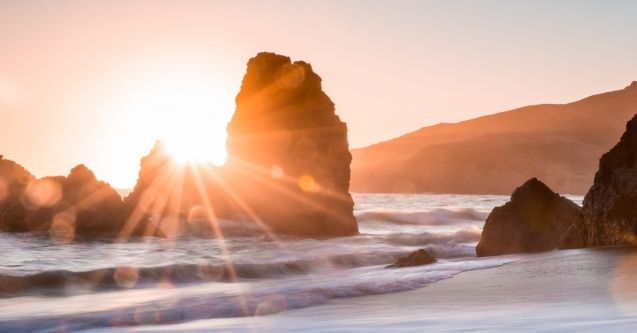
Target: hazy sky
96,82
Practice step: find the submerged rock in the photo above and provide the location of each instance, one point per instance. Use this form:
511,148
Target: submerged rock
535,219
609,212
416,258
288,154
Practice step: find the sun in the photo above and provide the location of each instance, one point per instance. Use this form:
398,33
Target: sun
186,112
184,104
188,150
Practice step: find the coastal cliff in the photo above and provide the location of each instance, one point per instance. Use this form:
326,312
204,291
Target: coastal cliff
610,207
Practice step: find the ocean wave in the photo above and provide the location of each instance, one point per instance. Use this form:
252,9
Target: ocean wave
434,217
264,299
469,235
61,282
446,245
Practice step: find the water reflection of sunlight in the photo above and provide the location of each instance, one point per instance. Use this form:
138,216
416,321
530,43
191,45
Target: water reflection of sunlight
623,288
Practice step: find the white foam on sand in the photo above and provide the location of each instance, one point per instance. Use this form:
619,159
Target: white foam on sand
560,291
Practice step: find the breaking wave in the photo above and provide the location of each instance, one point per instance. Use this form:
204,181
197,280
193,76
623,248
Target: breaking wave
264,299
434,217
64,281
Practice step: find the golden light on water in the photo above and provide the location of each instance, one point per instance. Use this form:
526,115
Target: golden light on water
63,227
126,277
622,287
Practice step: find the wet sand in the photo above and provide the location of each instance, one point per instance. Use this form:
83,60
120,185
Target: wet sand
561,291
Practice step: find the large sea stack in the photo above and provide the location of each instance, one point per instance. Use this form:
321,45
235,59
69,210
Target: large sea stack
610,207
289,159
536,219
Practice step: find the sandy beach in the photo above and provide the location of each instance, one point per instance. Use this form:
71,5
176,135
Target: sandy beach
560,291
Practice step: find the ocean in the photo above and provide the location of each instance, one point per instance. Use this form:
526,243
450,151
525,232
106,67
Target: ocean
150,284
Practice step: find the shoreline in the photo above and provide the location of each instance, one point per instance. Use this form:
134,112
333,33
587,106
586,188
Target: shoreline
560,291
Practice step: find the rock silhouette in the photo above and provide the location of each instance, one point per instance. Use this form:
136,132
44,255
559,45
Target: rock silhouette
141,205
96,206
609,211
169,199
13,181
288,171
67,208
535,219
288,154
416,258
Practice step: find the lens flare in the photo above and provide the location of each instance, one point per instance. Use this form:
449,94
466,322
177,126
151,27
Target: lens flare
43,193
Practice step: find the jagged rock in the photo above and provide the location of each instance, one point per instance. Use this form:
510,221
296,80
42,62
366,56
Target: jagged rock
167,194
65,207
147,204
97,206
535,219
288,156
416,258
13,181
609,212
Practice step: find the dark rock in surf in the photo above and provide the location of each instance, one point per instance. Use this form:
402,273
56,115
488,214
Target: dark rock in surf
609,213
416,258
535,219
289,159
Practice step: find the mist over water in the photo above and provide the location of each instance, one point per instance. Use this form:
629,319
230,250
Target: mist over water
46,285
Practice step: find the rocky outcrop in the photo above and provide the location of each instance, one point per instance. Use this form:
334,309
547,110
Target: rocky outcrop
67,208
171,199
535,219
95,207
416,258
146,204
13,181
609,211
288,171
288,156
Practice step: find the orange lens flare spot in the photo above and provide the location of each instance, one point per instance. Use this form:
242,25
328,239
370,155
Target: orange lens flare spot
43,193
126,277
308,184
274,303
197,213
277,172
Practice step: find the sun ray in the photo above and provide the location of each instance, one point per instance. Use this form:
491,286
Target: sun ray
212,219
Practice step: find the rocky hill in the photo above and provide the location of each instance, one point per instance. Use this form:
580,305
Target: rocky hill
559,143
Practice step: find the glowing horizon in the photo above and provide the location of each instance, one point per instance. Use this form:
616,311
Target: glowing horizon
97,83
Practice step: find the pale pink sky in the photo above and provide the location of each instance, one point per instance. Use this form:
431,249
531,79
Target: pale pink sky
96,82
